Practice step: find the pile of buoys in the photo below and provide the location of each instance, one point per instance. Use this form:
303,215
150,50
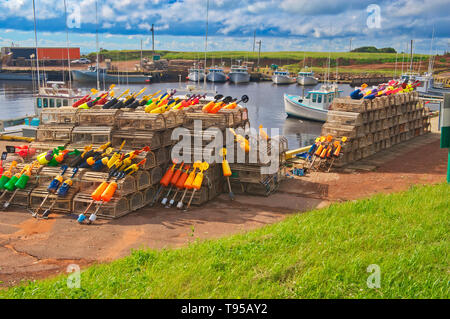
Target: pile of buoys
384,89
226,103
325,149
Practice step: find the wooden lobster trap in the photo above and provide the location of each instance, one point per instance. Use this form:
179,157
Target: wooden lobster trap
136,201
61,115
140,120
98,117
149,193
200,197
249,173
91,180
22,197
240,115
166,138
35,172
142,179
62,204
47,174
115,208
202,120
95,135
54,133
137,139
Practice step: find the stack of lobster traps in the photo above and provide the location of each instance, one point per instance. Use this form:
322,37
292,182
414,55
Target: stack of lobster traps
375,125
259,171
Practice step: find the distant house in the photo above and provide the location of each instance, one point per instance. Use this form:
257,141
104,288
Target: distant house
20,56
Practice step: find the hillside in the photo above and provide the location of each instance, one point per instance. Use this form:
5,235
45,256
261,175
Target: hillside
321,254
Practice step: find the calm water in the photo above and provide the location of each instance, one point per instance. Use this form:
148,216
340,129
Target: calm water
265,106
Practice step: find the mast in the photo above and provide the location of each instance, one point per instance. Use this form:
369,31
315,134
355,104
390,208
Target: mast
206,40
67,44
36,46
96,39
411,63
430,68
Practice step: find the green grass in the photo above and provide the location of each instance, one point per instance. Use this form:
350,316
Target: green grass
284,57
321,254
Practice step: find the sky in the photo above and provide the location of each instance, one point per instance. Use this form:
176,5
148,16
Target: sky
180,25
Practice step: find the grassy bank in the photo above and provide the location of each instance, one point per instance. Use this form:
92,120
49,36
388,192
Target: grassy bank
281,57
320,254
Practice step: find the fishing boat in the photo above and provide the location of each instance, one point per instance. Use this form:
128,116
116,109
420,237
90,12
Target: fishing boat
306,77
313,106
426,87
239,74
281,77
216,75
196,74
90,75
20,76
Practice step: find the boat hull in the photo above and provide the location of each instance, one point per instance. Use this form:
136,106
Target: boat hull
11,76
89,76
293,108
239,77
281,79
307,80
216,77
196,77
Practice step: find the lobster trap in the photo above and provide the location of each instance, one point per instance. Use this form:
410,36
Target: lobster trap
62,204
137,139
91,180
47,174
54,133
149,193
95,135
61,115
115,208
136,201
201,120
98,117
140,120
22,197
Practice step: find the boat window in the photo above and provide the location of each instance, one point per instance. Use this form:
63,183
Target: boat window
65,102
308,96
39,102
58,103
319,99
314,97
52,102
45,102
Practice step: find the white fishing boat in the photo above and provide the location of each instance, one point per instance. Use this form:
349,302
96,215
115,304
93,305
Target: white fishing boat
216,74
313,106
239,74
281,77
196,74
306,77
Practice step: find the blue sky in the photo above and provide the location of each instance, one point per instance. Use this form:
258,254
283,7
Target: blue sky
302,25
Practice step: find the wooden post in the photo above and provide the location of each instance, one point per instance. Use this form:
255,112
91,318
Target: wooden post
445,130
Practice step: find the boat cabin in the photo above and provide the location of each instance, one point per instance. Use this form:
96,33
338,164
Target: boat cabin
216,70
285,73
55,94
319,99
239,69
306,73
426,81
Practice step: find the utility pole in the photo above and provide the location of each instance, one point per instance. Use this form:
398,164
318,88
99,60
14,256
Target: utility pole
350,50
259,53
411,64
254,40
141,55
153,39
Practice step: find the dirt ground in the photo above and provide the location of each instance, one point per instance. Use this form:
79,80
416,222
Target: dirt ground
31,248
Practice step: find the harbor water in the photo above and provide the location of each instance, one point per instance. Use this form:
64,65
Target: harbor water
266,105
